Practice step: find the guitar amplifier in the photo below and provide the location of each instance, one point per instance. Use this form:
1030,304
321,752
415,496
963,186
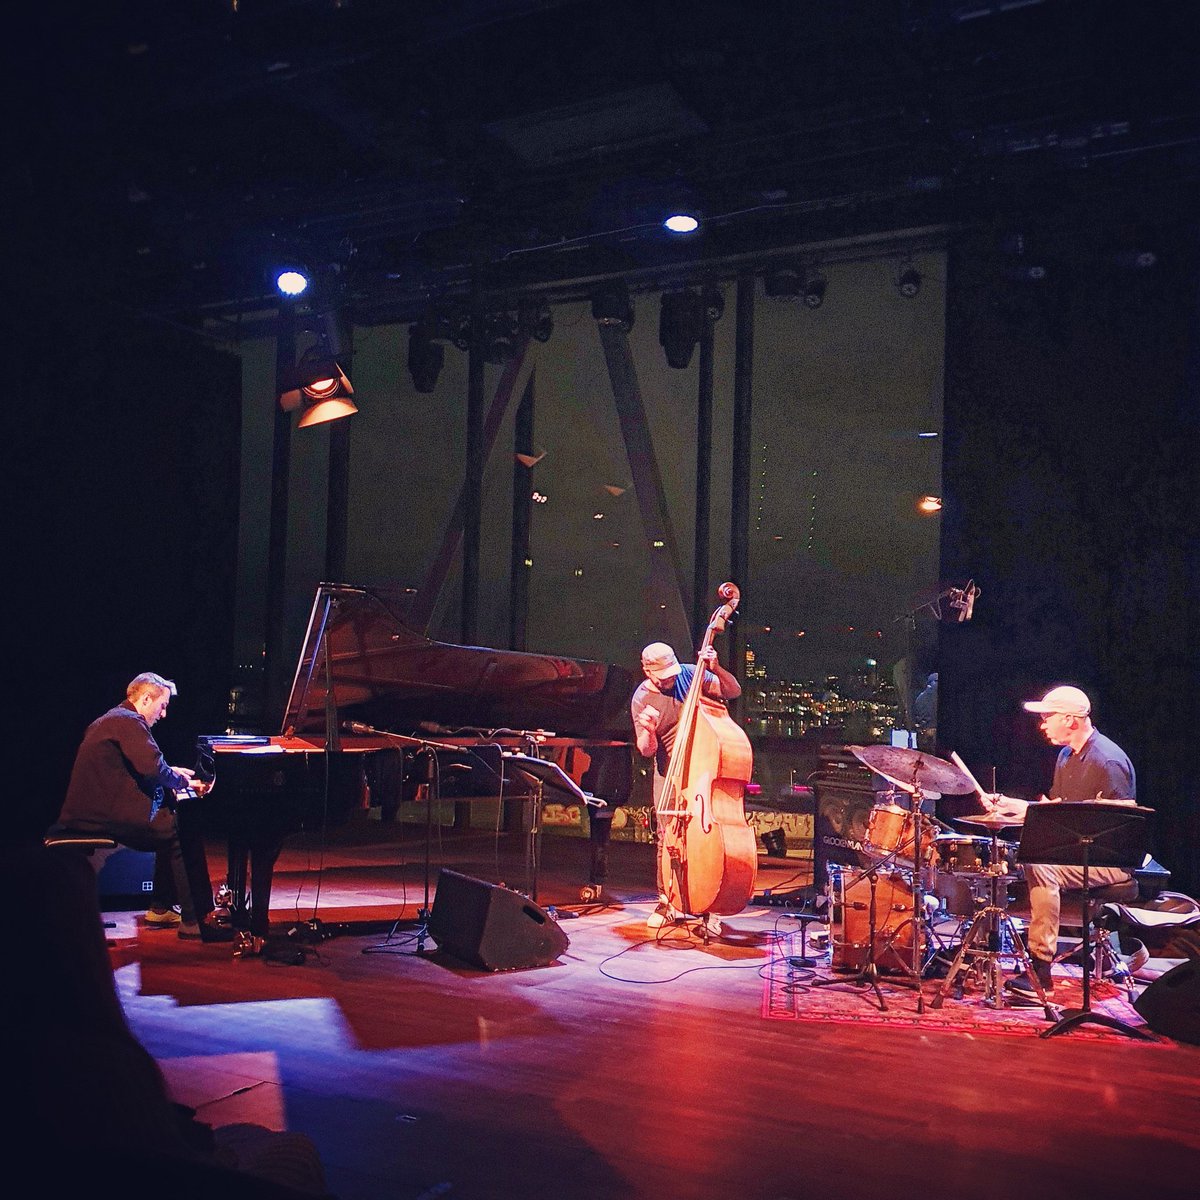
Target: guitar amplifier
845,794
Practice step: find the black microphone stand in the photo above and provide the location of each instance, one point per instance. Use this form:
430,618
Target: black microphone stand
427,750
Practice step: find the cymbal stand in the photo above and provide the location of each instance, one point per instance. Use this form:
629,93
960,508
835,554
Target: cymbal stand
869,973
984,944
915,970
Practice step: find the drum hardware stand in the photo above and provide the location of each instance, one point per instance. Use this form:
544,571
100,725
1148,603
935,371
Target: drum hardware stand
869,974
989,926
915,971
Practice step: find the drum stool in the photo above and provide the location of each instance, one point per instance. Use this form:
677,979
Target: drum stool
1108,964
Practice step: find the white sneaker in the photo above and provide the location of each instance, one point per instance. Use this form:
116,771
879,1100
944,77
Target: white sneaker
712,925
664,914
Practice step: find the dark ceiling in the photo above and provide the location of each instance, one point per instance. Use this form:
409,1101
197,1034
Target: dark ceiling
411,147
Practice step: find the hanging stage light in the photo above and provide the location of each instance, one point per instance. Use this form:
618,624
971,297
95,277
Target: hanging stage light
317,387
908,282
611,306
535,320
813,293
680,322
425,357
782,281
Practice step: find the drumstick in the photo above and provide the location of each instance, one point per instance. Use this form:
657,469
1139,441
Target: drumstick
962,766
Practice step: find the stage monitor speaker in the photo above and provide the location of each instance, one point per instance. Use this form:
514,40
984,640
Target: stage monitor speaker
490,927
1171,1004
126,876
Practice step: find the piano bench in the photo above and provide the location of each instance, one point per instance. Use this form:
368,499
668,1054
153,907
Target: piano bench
85,844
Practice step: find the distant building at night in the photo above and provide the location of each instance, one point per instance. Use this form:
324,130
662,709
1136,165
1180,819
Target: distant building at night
864,707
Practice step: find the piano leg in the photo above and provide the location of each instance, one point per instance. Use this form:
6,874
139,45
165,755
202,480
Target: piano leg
236,874
263,856
252,912
599,833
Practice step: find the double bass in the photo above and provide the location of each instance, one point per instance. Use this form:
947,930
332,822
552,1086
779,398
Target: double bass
708,856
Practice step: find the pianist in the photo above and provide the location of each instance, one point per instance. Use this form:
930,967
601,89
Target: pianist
122,787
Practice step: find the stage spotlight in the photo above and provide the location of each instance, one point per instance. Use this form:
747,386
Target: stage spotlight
908,282
317,387
425,358
681,222
611,306
292,282
814,291
680,322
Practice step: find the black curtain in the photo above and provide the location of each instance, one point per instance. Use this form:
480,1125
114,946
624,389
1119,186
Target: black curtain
1070,477
125,455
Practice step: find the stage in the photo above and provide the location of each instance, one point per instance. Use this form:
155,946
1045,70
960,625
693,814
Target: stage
634,1064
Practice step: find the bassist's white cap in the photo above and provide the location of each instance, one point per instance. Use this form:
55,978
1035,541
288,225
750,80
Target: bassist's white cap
659,661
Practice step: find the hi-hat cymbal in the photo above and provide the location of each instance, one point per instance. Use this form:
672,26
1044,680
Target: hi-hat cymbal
992,821
912,768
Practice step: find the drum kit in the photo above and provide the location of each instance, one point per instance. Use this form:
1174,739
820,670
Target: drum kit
879,919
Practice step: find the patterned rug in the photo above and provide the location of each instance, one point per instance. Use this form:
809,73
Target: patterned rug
789,994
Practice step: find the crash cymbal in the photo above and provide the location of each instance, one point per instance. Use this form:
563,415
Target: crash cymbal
991,821
912,768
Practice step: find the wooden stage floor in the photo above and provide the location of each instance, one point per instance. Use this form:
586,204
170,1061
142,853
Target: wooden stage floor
630,1067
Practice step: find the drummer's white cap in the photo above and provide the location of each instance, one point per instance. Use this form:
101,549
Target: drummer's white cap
1069,701
659,661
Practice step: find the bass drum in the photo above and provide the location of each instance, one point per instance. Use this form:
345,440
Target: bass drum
850,920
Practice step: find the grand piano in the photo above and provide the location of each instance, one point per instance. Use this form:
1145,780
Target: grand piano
376,708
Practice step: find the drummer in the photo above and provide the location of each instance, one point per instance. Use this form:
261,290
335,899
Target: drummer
1089,766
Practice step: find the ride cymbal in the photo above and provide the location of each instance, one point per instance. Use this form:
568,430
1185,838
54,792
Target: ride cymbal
909,769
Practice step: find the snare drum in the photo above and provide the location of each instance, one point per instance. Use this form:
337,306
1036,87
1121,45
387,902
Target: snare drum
959,854
850,920
891,831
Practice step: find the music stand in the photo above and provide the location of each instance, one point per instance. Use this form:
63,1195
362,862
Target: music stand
1093,833
542,774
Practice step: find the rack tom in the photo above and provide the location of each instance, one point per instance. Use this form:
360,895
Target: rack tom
891,832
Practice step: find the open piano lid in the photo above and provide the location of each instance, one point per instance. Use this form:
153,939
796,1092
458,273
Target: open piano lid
383,673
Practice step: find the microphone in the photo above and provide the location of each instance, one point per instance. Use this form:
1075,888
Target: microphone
359,728
963,600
